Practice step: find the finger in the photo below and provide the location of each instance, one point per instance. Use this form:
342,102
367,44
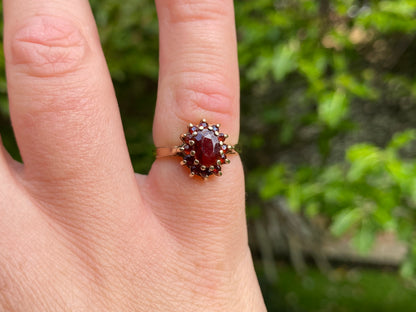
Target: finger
63,107
198,75
198,79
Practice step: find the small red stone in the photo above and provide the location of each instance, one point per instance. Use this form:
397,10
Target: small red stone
188,137
189,160
187,149
193,129
217,169
221,137
223,158
205,174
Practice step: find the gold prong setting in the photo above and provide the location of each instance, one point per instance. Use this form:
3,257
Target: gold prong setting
204,150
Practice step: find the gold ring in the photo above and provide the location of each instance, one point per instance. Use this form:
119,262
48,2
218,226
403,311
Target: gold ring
203,150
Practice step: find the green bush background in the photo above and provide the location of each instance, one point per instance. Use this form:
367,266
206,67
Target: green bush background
328,109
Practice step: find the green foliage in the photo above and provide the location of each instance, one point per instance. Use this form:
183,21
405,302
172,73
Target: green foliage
373,191
129,36
129,33
345,219
332,108
346,290
308,69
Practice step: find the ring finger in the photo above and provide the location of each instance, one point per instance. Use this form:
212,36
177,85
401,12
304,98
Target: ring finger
198,79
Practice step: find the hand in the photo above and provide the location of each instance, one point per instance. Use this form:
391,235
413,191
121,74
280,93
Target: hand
78,230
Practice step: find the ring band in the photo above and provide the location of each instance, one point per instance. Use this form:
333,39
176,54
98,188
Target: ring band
167,151
204,150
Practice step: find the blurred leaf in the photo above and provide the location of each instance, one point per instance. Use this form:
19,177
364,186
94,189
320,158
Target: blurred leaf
407,269
359,89
363,158
333,108
402,139
312,209
294,197
364,239
284,60
260,69
345,220
384,218
405,9
274,183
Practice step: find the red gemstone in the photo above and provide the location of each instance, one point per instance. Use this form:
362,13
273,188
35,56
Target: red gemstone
187,149
223,158
221,137
188,137
217,169
193,129
189,160
207,147
203,124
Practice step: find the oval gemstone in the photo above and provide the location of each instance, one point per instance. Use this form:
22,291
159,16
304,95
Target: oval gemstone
204,150
207,147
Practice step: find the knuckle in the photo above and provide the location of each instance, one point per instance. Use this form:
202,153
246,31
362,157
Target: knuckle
183,11
48,46
205,92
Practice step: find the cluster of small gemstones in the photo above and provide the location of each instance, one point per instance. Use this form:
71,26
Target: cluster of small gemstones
204,150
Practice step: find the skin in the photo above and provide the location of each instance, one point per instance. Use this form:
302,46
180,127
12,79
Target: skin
79,231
